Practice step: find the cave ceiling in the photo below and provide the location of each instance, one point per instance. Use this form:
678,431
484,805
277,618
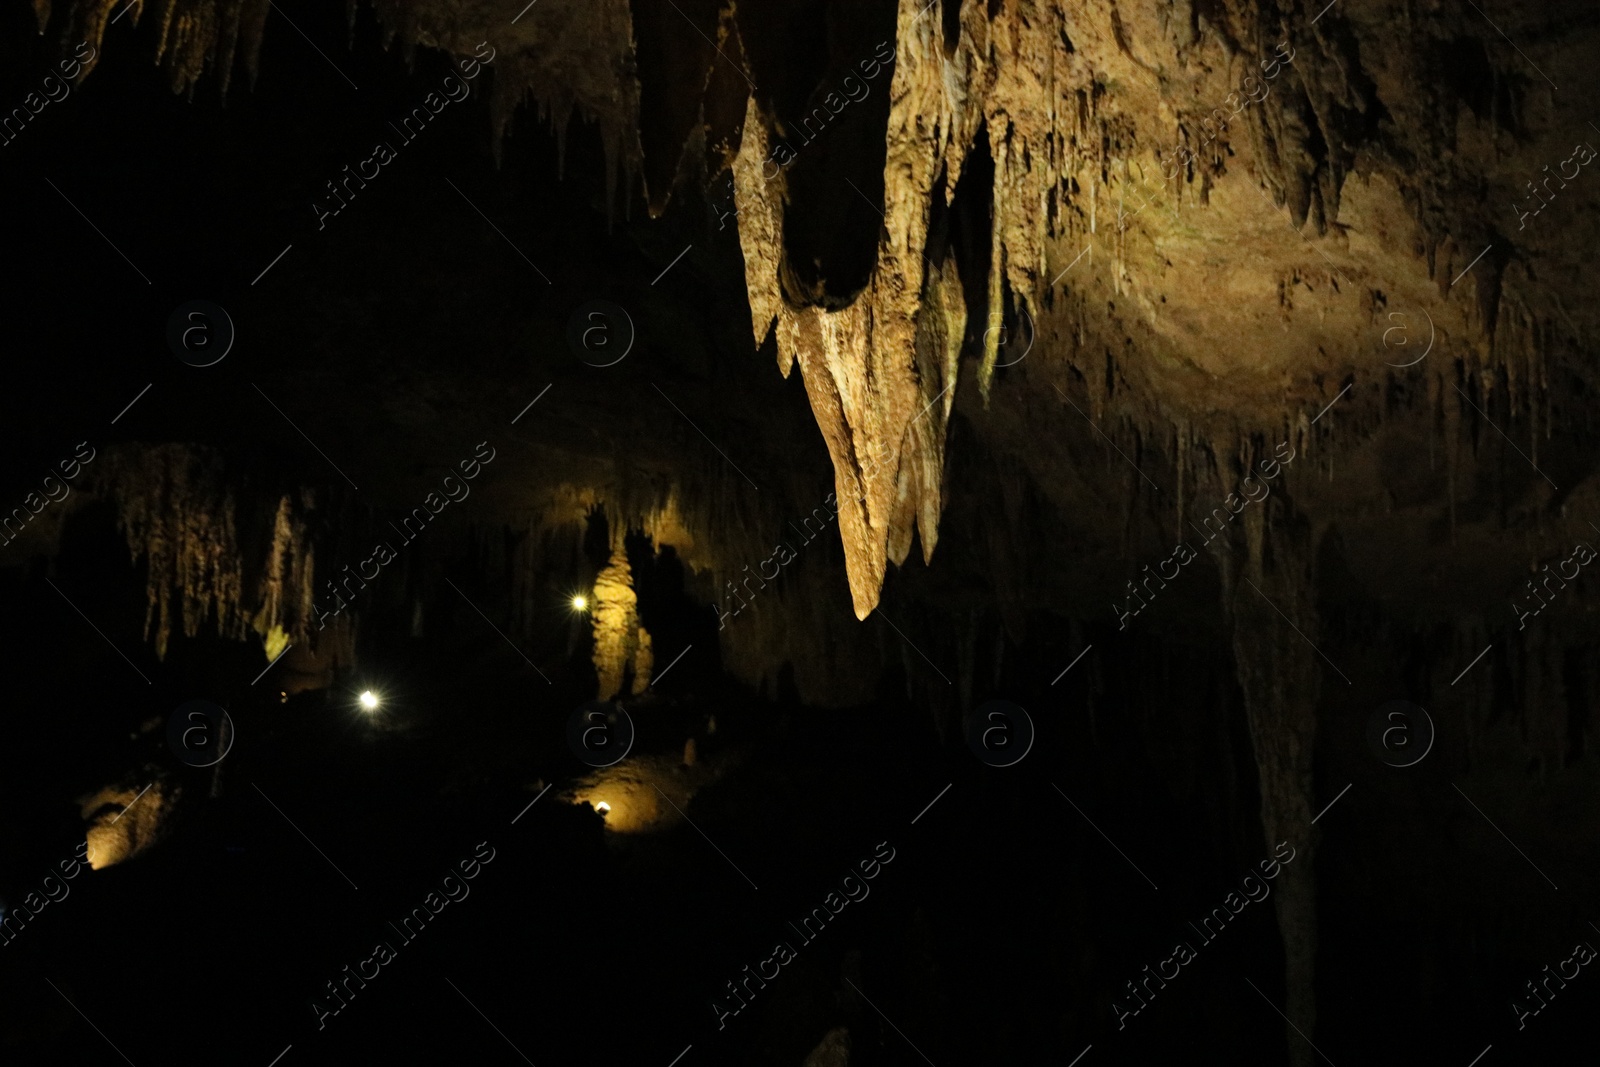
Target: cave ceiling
1159,239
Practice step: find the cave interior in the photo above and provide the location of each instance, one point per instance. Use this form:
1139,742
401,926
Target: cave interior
800,532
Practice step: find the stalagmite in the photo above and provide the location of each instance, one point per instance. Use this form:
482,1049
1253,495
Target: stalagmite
618,649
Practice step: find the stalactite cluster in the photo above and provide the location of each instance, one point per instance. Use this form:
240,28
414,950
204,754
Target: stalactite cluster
177,513
195,35
203,563
1082,107
567,58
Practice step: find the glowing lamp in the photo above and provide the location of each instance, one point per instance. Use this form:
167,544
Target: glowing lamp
369,700
602,807
580,603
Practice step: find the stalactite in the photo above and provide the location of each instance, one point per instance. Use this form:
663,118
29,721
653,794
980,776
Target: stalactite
860,364
176,511
569,57
941,325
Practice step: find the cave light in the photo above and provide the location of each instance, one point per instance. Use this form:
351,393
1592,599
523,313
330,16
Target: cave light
369,700
580,603
602,808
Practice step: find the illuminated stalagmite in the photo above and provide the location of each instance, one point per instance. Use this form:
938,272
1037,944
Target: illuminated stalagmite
621,645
